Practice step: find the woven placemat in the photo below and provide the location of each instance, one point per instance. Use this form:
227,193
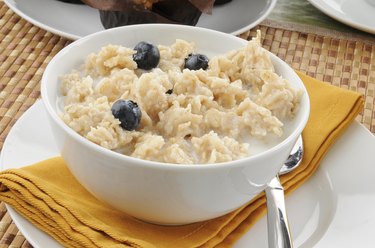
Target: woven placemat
25,51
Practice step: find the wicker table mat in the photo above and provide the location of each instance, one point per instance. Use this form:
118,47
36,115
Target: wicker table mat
25,51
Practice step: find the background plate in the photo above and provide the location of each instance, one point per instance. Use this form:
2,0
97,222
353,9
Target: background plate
355,13
75,21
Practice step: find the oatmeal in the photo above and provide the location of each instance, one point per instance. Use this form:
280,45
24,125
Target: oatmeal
188,109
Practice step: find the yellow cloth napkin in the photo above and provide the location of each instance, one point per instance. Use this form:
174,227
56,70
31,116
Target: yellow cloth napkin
49,196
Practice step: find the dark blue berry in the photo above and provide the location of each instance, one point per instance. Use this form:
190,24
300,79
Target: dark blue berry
147,55
196,62
128,113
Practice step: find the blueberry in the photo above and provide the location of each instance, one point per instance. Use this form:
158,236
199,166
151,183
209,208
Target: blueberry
147,55
128,113
196,62
170,91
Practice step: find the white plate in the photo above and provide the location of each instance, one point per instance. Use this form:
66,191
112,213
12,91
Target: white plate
75,21
356,13
335,208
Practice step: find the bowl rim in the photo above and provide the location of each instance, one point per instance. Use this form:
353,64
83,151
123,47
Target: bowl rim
155,164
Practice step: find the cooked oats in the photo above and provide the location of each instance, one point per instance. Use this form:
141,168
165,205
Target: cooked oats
188,117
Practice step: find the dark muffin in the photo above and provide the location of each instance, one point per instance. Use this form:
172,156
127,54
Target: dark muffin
115,13
167,11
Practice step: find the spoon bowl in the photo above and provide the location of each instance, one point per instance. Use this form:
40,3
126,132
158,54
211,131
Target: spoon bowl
294,159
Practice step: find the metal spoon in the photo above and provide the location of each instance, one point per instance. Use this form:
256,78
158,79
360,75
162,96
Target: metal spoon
277,221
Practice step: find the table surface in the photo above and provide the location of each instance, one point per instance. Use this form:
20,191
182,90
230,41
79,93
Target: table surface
318,45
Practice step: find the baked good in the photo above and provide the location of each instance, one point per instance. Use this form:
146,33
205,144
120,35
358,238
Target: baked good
115,13
167,11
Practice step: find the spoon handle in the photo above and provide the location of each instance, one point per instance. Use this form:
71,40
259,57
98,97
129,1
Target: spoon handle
277,221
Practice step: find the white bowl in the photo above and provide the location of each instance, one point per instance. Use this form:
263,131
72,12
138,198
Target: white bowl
158,192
